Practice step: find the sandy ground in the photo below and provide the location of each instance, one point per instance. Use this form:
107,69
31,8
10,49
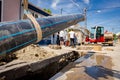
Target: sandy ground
33,53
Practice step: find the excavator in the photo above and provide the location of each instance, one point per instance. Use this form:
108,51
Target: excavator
97,34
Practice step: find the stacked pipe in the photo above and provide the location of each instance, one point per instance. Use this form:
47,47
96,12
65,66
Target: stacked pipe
19,34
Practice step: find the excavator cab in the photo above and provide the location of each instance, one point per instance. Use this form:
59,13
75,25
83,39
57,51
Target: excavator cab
97,34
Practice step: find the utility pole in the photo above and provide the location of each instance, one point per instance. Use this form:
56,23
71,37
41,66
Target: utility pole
61,10
85,13
113,30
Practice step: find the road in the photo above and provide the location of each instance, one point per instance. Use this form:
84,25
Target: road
102,65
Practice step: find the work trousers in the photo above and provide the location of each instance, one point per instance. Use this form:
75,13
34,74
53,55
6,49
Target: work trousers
72,42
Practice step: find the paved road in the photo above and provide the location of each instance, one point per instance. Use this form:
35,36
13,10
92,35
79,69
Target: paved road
103,65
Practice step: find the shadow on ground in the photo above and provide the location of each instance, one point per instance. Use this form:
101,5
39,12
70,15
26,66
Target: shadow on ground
97,72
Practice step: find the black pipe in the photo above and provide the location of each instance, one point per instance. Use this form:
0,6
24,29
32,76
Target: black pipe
19,34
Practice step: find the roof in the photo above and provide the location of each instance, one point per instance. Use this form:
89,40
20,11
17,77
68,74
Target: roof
38,10
78,29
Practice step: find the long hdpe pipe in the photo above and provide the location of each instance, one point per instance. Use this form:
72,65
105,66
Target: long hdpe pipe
19,34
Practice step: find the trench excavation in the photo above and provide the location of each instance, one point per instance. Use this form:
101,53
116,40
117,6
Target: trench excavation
36,63
43,69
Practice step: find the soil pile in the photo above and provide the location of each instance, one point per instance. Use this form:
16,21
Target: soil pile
33,53
56,47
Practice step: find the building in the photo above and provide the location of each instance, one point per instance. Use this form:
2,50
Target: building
9,7
80,35
15,7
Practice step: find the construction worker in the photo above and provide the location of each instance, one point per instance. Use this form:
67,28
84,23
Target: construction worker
61,35
58,39
72,38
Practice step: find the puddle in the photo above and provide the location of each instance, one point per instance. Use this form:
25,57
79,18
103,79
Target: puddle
89,67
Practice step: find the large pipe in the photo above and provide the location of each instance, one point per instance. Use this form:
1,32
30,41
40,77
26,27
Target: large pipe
19,34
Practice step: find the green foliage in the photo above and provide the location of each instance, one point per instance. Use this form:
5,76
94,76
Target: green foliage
47,10
69,30
114,36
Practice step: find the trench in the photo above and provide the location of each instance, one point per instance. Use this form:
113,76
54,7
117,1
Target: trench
83,65
43,70
51,69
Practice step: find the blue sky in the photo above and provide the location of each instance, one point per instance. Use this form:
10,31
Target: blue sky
99,12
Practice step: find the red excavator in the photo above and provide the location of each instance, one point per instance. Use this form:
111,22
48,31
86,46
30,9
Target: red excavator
97,35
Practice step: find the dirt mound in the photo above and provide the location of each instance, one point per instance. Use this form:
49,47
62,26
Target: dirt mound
56,47
33,53
84,48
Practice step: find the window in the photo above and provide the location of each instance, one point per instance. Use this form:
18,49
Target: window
92,32
99,32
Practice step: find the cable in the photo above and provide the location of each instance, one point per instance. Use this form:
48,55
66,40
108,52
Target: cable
64,11
78,6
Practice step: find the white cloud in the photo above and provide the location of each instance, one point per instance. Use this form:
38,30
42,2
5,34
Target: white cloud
98,11
86,1
54,4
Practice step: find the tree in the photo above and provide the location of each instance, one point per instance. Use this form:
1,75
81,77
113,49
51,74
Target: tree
47,10
114,36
